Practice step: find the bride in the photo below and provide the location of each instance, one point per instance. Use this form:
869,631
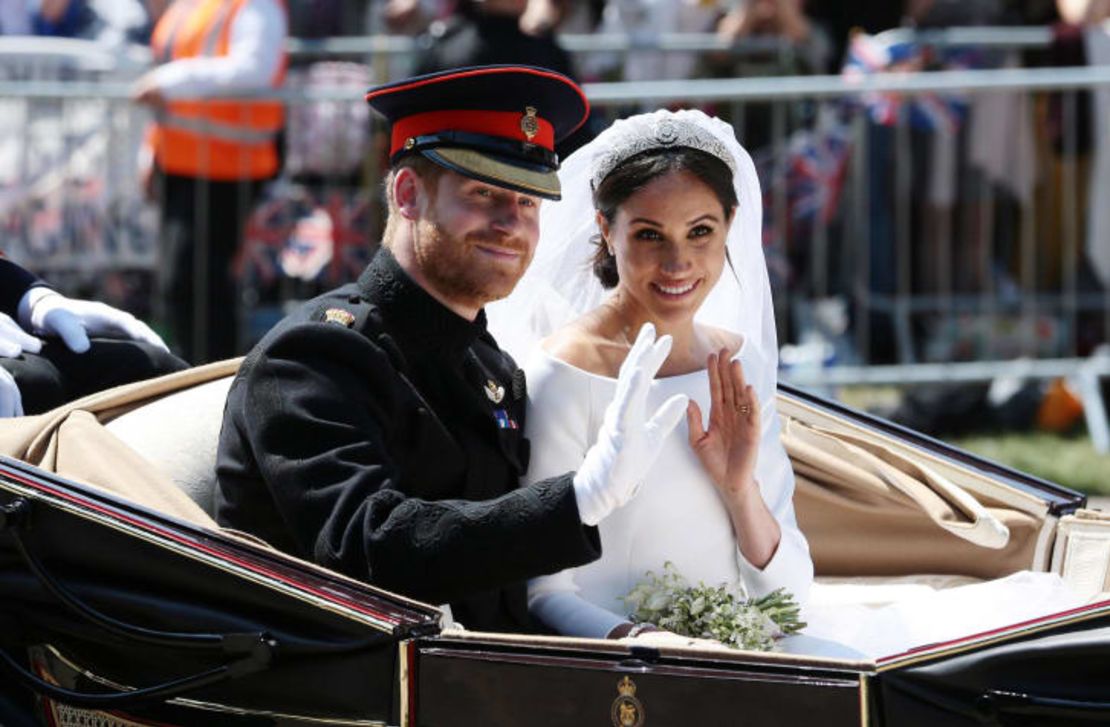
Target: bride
661,224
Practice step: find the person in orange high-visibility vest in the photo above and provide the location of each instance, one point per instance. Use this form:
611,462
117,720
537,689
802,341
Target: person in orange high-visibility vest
207,153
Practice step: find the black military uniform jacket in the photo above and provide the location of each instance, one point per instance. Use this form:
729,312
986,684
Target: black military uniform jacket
379,434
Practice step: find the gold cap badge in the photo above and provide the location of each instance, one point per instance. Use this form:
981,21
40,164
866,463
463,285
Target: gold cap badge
338,315
529,124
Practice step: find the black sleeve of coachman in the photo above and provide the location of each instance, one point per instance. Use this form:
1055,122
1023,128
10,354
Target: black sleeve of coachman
14,282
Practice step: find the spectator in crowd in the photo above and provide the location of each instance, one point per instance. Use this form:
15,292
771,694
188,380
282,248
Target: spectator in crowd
1083,38
1030,12
39,374
1083,12
14,18
646,18
328,18
207,159
411,17
495,32
870,16
65,18
787,20
492,32
801,46
151,10
111,22
1074,163
124,21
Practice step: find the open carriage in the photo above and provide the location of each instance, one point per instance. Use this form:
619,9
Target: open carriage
124,604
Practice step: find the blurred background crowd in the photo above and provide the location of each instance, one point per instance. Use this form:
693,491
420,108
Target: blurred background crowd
957,211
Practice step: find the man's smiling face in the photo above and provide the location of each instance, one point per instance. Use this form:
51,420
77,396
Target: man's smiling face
474,240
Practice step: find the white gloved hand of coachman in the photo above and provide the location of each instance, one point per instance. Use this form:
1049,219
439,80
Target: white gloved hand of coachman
47,313
628,440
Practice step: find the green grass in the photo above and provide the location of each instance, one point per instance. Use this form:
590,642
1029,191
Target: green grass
1070,461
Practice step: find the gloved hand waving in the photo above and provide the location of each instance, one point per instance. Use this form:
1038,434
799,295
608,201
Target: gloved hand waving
628,440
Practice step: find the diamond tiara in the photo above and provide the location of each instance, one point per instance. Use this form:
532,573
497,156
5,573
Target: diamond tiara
665,133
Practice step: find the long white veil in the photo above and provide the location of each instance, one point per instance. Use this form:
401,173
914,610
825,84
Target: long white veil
560,285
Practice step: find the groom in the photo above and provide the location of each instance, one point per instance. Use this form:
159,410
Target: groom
379,430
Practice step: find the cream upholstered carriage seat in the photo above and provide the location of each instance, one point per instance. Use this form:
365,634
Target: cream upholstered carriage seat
179,433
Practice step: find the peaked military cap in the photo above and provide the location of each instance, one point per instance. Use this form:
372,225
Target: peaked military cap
498,124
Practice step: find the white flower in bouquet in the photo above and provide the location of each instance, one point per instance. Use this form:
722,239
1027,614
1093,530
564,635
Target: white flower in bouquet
719,612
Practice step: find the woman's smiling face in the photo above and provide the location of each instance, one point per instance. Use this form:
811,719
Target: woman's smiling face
669,242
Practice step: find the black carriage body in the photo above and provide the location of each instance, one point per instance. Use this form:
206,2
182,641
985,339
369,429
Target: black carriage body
302,645
487,680
296,640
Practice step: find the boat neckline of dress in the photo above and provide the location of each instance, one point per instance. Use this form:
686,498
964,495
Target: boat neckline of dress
674,377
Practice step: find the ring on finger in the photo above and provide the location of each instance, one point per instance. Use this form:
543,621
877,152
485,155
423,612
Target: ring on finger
745,409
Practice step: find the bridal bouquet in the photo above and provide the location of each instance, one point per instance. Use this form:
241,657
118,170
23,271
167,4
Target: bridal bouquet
714,612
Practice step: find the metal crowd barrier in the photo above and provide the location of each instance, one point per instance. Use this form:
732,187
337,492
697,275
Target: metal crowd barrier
891,265
1000,37
392,56
69,202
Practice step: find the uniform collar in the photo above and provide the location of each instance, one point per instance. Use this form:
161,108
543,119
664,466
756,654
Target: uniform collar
411,315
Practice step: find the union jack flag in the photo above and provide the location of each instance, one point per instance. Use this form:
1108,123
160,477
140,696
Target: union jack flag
818,160
294,233
269,225
812,171
351,217
871,54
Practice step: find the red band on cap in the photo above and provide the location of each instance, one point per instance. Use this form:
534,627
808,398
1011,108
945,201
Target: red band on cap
505,124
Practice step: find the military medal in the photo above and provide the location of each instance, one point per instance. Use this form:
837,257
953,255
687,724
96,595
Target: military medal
494,391
504,421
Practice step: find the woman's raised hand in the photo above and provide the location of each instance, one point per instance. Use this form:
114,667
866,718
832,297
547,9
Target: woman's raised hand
729,446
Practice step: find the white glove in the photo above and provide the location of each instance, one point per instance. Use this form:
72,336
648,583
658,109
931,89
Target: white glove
671,639
11,401
628,441
48,313
14,340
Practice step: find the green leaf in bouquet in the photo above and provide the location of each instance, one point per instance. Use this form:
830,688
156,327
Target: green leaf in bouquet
719,612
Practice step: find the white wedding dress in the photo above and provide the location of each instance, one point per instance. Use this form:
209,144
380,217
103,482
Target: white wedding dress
676,515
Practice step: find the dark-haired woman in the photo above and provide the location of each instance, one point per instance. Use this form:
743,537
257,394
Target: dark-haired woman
670,236
660,222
